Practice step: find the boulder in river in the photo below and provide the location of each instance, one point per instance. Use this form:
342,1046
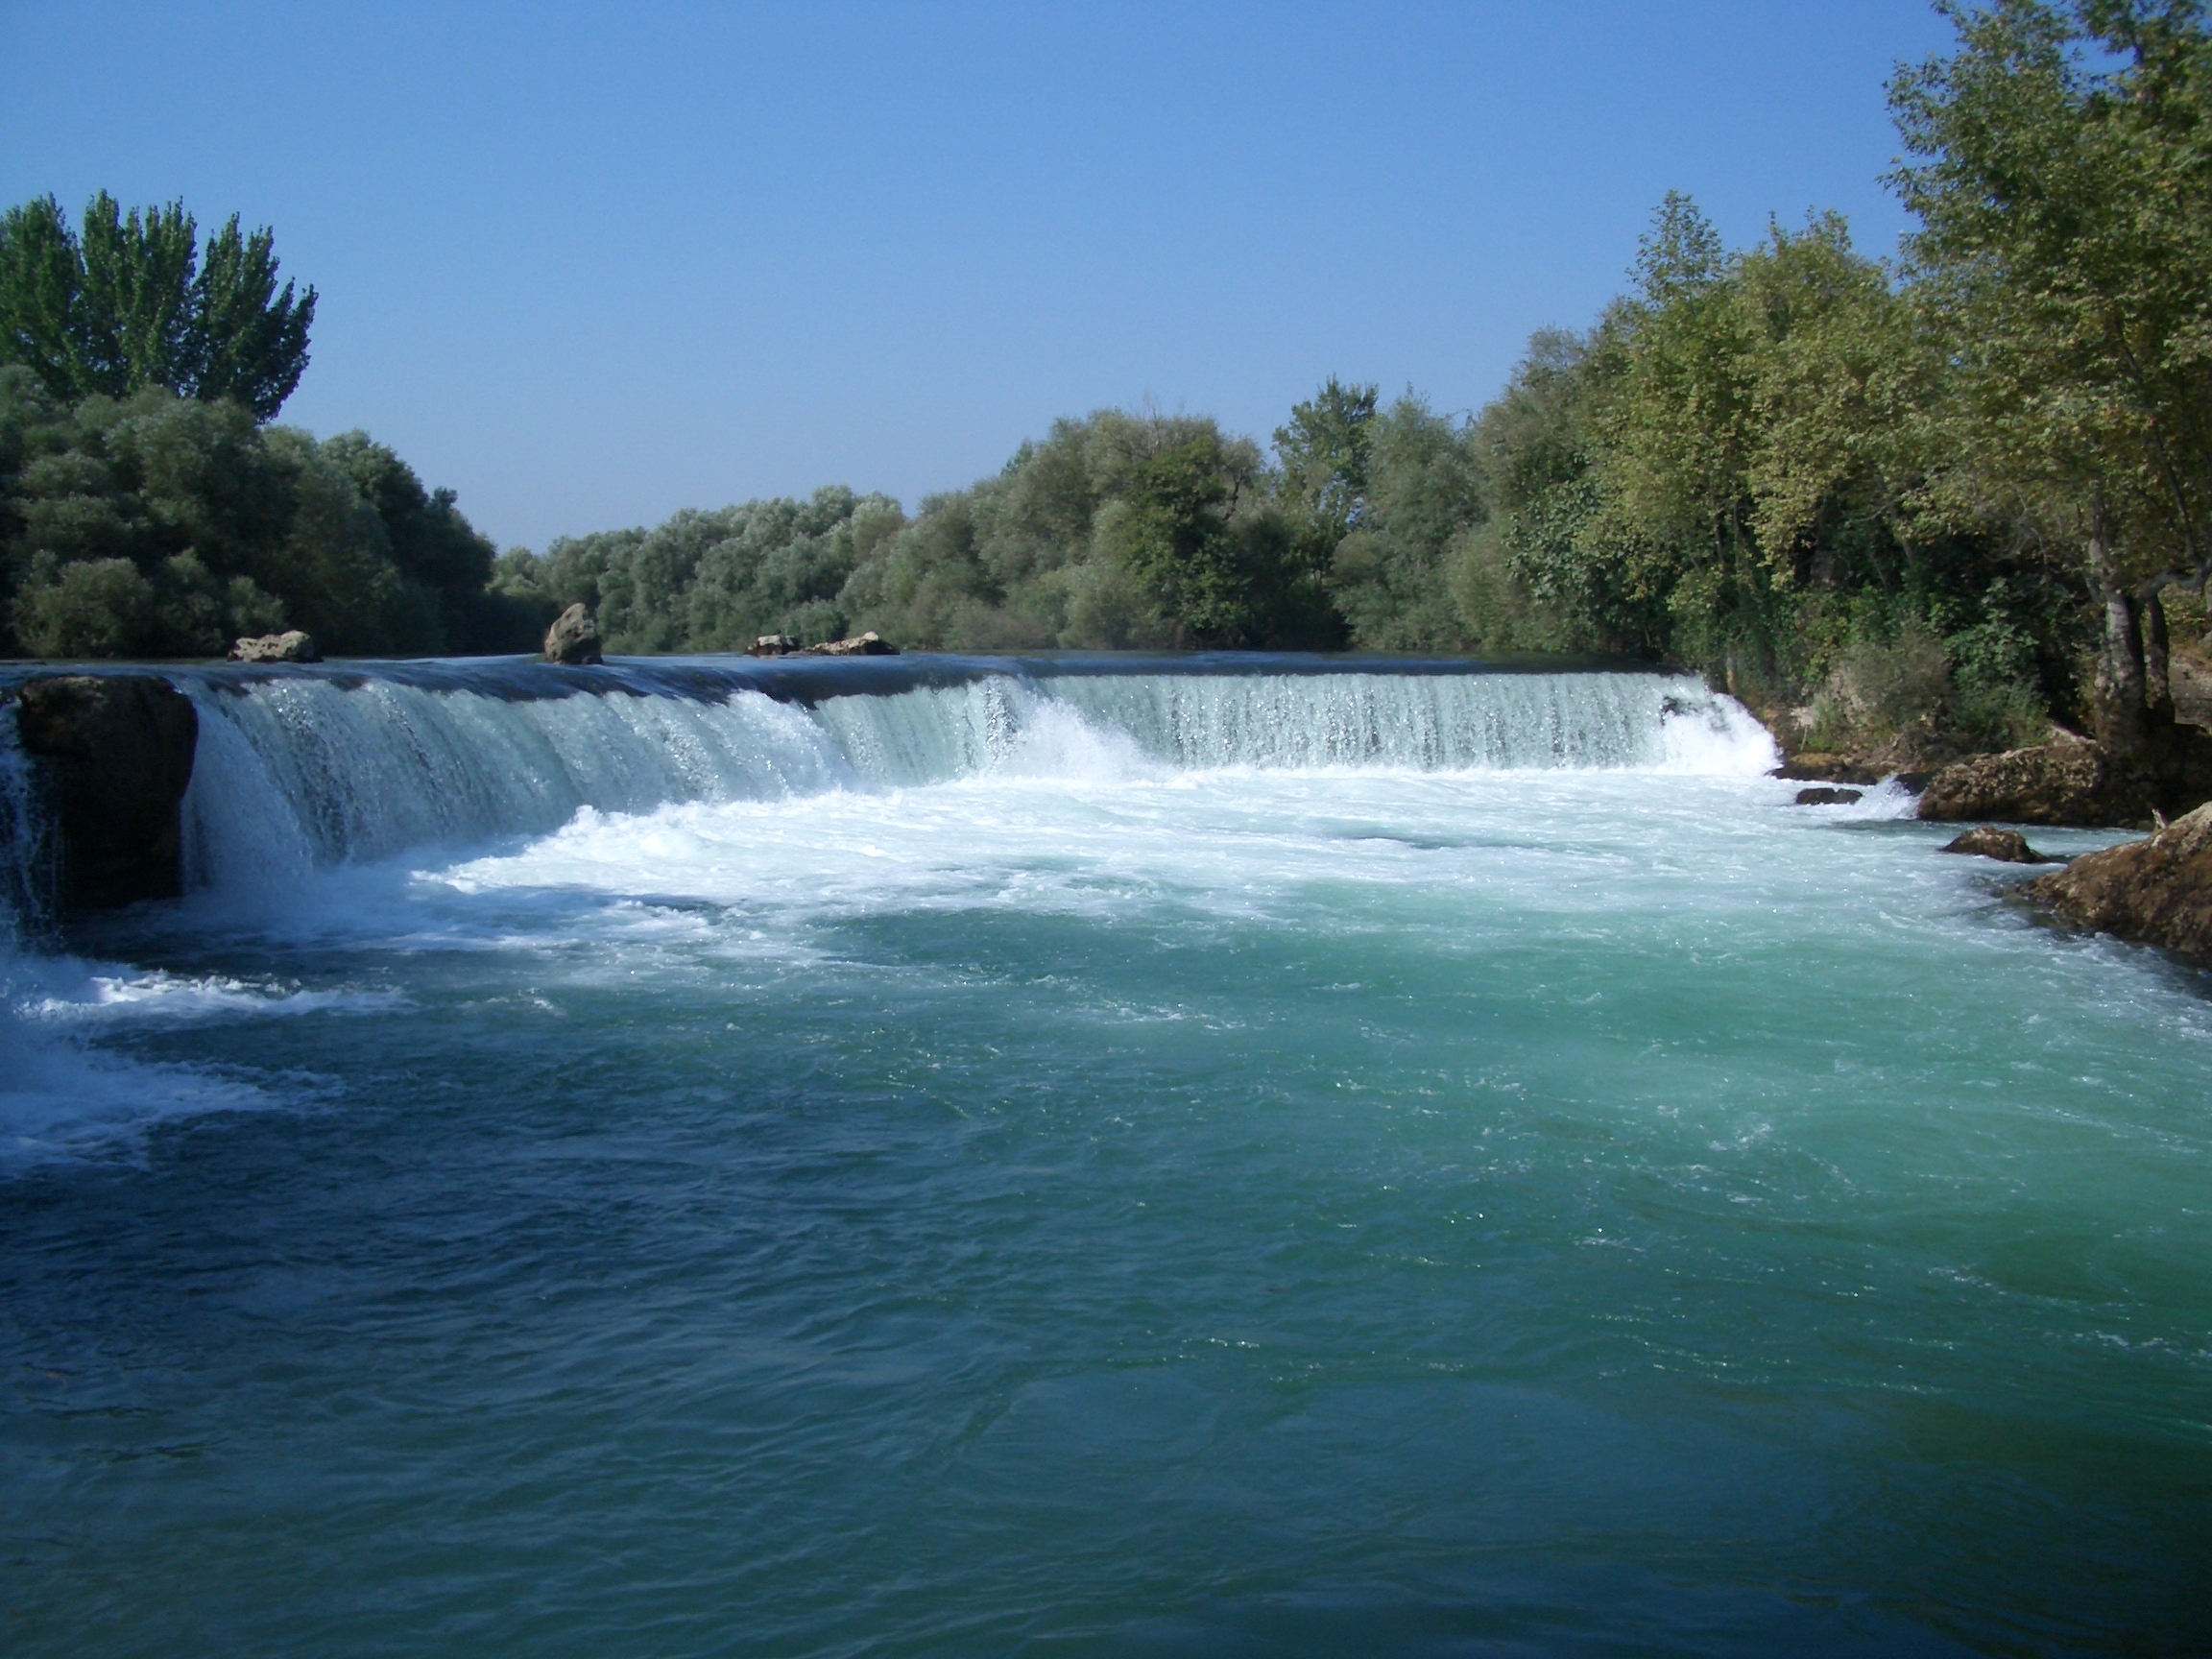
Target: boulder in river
1828,797
117,751
2067,781
772,645
573,639
2156,892
290,646
2005,846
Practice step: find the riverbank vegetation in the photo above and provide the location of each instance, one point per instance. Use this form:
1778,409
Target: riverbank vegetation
146,507
1919,506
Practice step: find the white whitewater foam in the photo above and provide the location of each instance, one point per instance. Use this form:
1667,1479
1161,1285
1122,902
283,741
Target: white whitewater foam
299,774
61,1098
120,995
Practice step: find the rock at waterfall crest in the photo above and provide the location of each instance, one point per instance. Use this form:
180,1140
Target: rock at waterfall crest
869,644
291,646
2156,892
573,639
116,751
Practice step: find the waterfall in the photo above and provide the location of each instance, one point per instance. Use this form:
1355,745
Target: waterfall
306,768
27,873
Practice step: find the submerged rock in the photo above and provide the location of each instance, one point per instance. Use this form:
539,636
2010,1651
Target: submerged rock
2067,781
117,751
291,646
2006,846
573,638
2156,892
869,644
1829,797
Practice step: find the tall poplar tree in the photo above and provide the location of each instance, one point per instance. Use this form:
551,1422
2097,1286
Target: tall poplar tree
131,300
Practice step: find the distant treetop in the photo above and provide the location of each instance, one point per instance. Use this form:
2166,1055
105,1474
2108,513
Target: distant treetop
133,300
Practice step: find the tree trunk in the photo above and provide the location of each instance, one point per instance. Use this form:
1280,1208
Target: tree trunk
2117,707
2157,681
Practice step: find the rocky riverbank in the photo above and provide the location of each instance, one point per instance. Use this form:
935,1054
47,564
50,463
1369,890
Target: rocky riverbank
2156,892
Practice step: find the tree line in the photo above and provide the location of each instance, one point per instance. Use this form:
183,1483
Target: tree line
1931,502
1934,501
148,508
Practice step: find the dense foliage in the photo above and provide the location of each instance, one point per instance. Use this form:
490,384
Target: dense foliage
154,525
145,510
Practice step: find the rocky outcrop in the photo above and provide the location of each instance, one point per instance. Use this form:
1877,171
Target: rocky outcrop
573,639
116,751
2156,892
1828,797
2067,781
2005,846
869,644
290,646
2189,682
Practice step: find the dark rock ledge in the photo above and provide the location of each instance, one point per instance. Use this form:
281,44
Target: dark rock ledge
2156,892
114,752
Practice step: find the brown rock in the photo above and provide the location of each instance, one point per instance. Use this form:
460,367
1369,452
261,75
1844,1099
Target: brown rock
1828,797
2005,846
290,646
573,639
2068,781
117,750
2156,892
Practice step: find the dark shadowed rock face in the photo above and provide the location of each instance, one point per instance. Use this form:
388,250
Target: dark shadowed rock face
117,752
573,638
2006,846
2158,892
2065,782
1828,797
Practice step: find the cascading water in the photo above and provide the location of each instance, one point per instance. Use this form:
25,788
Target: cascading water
954,1156
304,771
299,771
26,873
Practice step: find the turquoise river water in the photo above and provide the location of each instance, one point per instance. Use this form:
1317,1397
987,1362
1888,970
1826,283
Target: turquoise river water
1083,1158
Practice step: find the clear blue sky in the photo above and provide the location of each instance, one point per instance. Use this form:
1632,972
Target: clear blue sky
590,264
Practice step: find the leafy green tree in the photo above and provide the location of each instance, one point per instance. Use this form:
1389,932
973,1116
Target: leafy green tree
133,302
2062,171
1324,452
1173,537
1390,575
